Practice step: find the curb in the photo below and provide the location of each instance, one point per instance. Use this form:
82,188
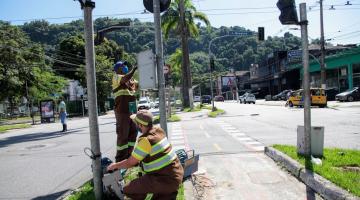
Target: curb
322,186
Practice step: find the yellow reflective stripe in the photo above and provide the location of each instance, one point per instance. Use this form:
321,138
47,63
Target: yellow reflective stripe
141,121
119,148
160,146
131,144
124,92
160,162
139,153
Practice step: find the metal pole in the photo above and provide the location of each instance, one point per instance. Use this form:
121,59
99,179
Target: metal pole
91,85
160,64
322,44
306,80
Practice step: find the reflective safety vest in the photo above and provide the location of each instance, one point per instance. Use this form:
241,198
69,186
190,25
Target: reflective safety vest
116,83
160,156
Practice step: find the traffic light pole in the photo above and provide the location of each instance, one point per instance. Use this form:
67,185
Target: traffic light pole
88,6
306,80
160,65
322,48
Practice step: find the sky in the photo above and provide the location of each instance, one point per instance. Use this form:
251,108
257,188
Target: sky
341,24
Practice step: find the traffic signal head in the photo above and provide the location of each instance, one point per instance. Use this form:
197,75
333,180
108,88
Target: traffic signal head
261,33
288,12
164,5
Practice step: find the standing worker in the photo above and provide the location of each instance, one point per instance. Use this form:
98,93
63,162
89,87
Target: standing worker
163,171
63,114
123,88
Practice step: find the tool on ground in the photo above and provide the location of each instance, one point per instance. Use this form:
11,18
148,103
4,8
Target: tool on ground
189,161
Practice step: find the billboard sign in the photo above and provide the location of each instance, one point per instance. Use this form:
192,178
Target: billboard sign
228,81
47,111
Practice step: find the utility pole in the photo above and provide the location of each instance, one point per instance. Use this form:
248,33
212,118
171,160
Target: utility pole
88,6
306,80
187,93
160,64
322,46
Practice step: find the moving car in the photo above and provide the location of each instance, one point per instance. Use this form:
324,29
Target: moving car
156,103
242,97
249,98
318,98
349,95
206,99
145,103
219,98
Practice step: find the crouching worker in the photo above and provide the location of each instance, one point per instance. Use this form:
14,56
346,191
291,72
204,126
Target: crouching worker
163,170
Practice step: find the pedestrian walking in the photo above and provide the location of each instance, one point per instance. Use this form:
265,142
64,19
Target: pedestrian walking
63,115
154,153
124,88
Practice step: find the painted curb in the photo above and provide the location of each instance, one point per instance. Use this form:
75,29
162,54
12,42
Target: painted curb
322,186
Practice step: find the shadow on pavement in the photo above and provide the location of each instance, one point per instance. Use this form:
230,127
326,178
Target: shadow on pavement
51,196
33,137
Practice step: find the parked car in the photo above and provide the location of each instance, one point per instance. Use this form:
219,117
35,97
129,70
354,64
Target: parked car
249,98
281,96
349,95
331,93
219,98
206,99
318,98
197,98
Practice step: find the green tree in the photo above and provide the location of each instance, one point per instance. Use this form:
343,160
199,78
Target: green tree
180,18
23,68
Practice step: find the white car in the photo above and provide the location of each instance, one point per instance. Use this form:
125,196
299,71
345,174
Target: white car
145,103
249,98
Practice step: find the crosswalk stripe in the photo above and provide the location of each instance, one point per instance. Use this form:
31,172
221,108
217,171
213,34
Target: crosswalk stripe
254,143
244,139
258,148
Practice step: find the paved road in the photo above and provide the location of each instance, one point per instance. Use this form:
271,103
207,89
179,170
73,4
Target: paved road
278,124
42,163
232,164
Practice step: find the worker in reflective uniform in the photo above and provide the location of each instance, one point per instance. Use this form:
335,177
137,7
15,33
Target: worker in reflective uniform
163,170
124,87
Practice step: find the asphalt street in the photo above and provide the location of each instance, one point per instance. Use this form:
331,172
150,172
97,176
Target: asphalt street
42,163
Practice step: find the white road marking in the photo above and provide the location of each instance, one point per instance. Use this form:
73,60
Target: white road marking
217,147
207,134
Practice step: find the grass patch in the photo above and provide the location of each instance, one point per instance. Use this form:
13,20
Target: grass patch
216,112
86,191
173,118
340,166
4,128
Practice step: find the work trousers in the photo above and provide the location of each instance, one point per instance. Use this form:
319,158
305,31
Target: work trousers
162,187
125,128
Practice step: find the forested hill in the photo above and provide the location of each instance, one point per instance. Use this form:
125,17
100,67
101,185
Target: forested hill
237,52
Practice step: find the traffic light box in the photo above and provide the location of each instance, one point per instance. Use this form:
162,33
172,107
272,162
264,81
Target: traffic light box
261,33
288,12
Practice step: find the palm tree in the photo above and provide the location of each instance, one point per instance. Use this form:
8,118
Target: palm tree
180,18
